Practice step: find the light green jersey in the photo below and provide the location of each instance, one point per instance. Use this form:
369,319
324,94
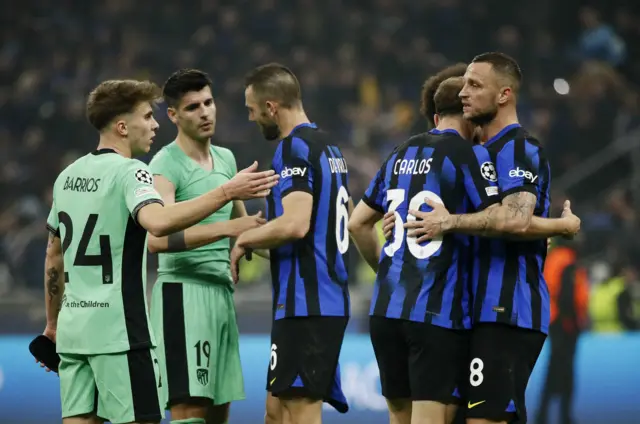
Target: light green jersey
209,263
95,203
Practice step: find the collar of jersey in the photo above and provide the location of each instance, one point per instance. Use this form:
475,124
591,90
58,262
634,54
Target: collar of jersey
103,151
305,124
445,131
502,133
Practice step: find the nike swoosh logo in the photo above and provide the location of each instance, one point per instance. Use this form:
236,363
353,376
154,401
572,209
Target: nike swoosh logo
271,382
473,405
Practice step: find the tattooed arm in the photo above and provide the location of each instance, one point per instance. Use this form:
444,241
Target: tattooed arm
53,280
513,218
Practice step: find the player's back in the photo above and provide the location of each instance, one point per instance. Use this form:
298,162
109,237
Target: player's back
427,282
310,275
509,285
104,307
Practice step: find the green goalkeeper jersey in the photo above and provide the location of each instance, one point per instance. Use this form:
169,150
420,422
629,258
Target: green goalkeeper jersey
211,262
95,203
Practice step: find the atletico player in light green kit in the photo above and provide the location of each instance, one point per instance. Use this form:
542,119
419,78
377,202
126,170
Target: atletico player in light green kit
192,308
103,206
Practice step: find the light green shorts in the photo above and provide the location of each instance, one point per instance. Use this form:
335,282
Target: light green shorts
195,326
118,387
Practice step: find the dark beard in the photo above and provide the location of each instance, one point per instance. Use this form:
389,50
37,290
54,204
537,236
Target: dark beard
484,118
270,131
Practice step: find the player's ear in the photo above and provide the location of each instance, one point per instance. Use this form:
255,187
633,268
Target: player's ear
436,119
121,128
271,109
505,94
171,114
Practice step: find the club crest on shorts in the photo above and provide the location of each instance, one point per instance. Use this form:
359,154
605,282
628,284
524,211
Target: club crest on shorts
143,176
488,171
203,376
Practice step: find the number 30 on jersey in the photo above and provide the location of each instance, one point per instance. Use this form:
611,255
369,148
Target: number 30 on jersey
397,197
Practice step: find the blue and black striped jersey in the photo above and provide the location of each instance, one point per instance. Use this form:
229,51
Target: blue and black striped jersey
309,276
429,282
508,283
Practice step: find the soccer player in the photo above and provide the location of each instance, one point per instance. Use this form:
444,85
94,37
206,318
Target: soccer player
418,315
103,206
308,240
510,310
192,309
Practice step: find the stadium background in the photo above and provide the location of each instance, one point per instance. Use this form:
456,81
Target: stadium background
361,65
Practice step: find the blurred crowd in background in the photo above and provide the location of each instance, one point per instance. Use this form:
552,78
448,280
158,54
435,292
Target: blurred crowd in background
361,65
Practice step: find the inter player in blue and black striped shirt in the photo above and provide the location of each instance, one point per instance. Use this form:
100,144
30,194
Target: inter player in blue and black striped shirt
419,310
307,235
510,307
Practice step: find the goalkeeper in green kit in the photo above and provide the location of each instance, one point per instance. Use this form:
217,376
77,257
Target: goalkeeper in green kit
103,206
192,307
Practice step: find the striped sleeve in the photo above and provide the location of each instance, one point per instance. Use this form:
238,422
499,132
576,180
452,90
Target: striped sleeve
295,167
479,173
518,166
374,196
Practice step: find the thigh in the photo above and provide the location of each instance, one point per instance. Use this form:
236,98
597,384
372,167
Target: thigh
189,341
128,384
437,362
229,383
304,356
392,355
492,388
77,385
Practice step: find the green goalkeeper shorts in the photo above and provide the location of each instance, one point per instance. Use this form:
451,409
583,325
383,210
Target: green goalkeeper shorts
194,322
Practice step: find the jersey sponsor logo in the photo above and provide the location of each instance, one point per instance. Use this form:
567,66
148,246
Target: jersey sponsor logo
521,173
143,176
293,172
488,171
81,184
338,166
81,304
412,166
139,192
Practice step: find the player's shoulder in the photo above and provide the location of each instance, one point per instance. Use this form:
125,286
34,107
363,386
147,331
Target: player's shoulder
166,153
514,135
225,153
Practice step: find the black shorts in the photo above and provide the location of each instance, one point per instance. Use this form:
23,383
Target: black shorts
502,358
304,357
419,361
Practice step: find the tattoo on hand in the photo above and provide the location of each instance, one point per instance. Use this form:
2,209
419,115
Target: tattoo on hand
53,276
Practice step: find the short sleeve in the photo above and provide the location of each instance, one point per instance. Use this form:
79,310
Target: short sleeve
480,178
374,195
52,220
137,187
294,167
229,159
164,164
518,167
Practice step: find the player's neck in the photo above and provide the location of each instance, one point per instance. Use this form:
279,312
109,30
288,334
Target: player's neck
117,144
501,121
450,123
196,150
289,119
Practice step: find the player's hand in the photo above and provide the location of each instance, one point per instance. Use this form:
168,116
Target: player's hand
50,333
428,225
388,224
240,225
249,184
236,254
572,226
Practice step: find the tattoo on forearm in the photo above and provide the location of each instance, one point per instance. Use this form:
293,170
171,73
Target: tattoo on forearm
53,287
520,205
176,242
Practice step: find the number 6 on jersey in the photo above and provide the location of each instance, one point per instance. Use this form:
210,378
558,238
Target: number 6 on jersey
397,197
